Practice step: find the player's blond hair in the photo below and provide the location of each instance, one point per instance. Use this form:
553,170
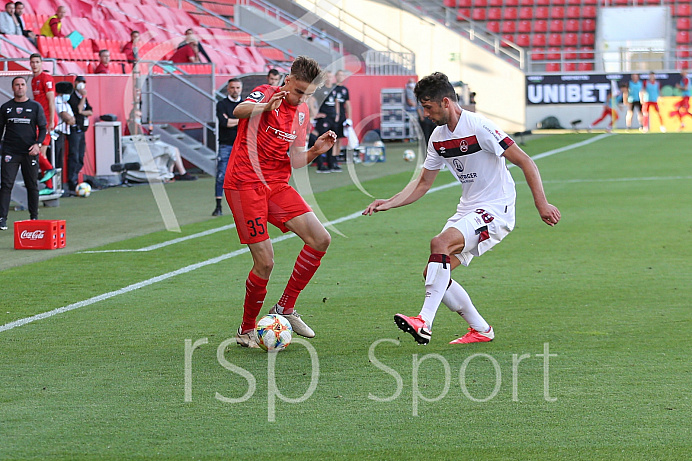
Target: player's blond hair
307,70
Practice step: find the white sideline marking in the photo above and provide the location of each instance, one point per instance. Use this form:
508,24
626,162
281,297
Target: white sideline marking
218,259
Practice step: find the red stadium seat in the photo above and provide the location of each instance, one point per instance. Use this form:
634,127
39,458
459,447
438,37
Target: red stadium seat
540,26
538,40
506,40
571,39
553,54
556,25
478,14
552,67
557,12
682,52
570,53
464,3
523,40
511,2
588,12
509,13
682,37
508,27
587,39
480,3
537,54
450,3
495,2
683,23
526,13
585,66
555,40
541,12
573,12
524,27
572,25
588,25
494,14
569,67
493,26
542,2
463,14
585,53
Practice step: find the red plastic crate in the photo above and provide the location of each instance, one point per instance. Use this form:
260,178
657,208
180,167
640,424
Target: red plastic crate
41,234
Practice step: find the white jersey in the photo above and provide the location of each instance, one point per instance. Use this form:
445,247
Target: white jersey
473,153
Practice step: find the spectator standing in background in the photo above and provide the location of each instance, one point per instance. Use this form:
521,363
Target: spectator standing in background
344,99
131,48
649,97
191,38
65,127
634,101
274,77
9,25
228,130
325,120
43,90
53,25
20,121
82,111
104,62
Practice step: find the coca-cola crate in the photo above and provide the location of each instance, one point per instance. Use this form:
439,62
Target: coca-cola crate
40,234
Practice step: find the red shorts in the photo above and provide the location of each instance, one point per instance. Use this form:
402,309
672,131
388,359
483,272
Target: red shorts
253,208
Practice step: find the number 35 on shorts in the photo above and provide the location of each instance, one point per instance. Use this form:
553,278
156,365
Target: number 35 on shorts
256,227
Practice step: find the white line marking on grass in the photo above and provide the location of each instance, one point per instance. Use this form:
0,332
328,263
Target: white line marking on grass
169,242
218,259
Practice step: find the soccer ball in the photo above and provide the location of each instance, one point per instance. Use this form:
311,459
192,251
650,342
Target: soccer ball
274,333
409,155
83,189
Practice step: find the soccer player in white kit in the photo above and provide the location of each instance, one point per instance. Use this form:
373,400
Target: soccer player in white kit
474,150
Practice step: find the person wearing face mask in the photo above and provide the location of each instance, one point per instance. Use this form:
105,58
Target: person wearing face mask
65,126
82,110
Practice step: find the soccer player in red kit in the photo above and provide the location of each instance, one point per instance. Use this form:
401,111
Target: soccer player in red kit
43,90
273,128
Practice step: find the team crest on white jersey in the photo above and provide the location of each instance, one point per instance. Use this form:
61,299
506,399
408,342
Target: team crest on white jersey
463,145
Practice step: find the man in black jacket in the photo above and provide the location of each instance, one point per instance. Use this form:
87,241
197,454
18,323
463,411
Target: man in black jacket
228,129
82,111
22,126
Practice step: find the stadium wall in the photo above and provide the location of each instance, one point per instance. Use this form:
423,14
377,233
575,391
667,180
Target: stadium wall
499,85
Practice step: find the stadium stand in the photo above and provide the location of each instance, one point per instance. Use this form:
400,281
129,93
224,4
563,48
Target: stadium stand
107,24
555,29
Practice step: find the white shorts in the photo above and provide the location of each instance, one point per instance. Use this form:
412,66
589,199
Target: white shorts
482,229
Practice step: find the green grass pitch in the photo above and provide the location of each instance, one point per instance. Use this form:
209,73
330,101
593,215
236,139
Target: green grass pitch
593,322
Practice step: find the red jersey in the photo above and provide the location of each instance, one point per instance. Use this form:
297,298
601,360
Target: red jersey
260,152
40,86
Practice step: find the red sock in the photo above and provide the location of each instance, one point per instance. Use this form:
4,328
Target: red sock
306,265
44,165
255,292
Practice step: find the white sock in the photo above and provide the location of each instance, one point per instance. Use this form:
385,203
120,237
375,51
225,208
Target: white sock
436,282
460,302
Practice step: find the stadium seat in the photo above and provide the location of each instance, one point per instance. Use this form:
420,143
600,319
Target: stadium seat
463,14
538,40
509,13
524,27
569,67
493,26
537,54
552,67
588,25
495,3
572,25
506,40
553,54
508,27
587,39
574,2
573,12
557,2
464,3
682,37
556,25
570,53
585,66
585,53
480,3
541,12
478,14
526,3
525,13
542,2
683,23
540,26
450,3
494,14
555,40
511,2
571,39
557,12
523,40
682,52
588,11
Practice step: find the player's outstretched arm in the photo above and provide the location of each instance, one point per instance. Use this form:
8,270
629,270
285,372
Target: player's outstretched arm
247,109
549,213
409,194
301,157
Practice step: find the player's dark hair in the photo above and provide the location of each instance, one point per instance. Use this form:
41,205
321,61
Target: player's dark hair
102,51
19,77
274,73
35,55
233,80
435,87
307,70
18,4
